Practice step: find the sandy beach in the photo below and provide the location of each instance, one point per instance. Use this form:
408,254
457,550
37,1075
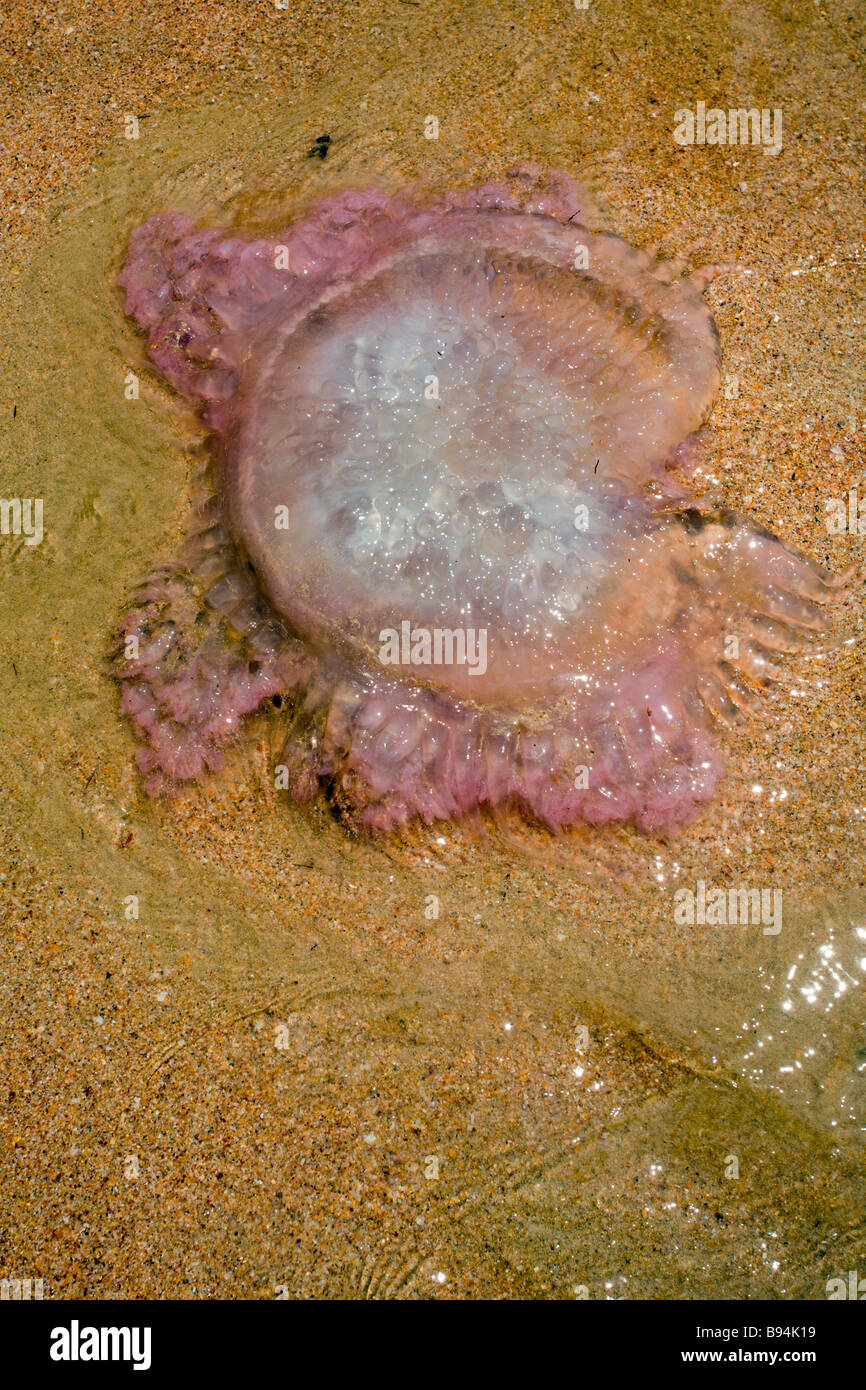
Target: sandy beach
249,1054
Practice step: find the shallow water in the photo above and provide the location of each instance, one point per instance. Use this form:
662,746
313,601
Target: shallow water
527,1012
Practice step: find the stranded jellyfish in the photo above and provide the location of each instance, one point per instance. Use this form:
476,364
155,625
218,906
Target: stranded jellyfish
446,515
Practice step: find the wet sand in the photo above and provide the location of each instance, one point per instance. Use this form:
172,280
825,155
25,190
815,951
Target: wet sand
247,1052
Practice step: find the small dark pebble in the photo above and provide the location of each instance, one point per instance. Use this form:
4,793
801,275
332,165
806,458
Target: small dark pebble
320,147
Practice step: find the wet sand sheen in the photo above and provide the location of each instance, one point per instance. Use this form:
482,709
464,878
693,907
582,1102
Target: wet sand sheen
291,1030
